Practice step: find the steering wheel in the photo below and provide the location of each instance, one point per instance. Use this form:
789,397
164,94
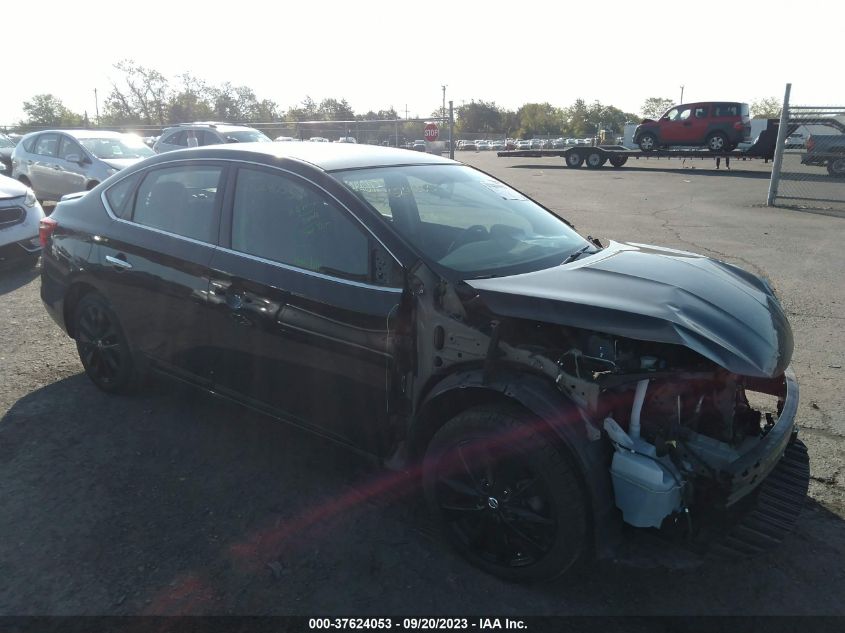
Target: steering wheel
474,233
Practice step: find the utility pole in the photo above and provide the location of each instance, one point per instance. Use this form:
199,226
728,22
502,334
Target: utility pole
443,109
97,107
682,93
406,110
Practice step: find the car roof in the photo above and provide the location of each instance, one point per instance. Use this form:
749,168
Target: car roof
80,134
325,156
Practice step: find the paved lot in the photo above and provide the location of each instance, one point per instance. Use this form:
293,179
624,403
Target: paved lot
173,502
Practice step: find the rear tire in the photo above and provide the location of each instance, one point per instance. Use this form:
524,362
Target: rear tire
505,498
618,161
717,142
102,346
647,142
836,167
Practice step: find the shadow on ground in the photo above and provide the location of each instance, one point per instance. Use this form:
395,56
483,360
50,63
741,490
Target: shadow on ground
17,276
175,502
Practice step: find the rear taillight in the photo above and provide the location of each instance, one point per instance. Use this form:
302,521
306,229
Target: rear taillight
45,230
810,144
739,125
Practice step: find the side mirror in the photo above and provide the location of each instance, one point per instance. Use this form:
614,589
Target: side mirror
74,158
231,139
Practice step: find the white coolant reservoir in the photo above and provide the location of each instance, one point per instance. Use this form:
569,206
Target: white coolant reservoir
645,489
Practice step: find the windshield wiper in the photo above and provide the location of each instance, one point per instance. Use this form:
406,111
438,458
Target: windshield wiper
573,256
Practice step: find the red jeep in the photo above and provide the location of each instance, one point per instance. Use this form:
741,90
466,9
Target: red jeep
718,125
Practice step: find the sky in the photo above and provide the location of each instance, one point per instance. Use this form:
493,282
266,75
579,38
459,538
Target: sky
378,54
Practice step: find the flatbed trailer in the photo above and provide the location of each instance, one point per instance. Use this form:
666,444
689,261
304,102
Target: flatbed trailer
617,155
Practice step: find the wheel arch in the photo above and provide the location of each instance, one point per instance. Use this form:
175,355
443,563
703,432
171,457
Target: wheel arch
75,292
564,426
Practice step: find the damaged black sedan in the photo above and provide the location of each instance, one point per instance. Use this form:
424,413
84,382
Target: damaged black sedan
548,389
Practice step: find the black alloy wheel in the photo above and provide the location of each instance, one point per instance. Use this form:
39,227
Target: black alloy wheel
505,498
102,346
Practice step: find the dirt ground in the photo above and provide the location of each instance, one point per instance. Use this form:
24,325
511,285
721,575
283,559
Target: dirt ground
174,502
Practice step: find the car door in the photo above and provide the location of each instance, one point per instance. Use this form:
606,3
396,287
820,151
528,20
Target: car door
699,123
676,125
43,165
153,262
71,173
301,325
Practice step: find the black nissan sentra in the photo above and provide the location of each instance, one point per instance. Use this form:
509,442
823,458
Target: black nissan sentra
547,388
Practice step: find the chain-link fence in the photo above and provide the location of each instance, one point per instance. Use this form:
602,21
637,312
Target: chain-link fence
809,167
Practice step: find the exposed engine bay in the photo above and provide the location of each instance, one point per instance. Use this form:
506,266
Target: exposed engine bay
685,436
676,420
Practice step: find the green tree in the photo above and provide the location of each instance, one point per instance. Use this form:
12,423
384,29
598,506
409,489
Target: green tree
768,108
479,117
334,110
653,107
541,119
138,95
47,110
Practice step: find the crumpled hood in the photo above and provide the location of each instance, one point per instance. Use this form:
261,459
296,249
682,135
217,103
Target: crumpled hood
10,188
656,294
121,163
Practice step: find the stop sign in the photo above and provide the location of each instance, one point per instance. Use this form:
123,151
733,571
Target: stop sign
431,132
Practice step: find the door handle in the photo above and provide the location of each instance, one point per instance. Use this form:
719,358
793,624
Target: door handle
57,167
119,262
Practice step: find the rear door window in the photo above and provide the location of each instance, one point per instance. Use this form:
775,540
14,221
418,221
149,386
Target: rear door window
701,112
181,200
47,145
280,218
119,196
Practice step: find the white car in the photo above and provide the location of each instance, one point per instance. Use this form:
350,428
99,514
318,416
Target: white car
523,144
318,139
20,216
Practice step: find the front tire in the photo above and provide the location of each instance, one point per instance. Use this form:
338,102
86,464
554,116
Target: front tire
505,498
102,346
647,142
618,161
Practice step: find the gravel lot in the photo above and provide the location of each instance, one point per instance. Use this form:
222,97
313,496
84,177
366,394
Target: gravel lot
174,502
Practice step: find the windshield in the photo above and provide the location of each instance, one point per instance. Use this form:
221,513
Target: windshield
247,136
464,219
115,148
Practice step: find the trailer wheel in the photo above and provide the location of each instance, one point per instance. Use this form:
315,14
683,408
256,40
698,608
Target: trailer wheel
717,142
595,159
574,159
618,161
836,167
